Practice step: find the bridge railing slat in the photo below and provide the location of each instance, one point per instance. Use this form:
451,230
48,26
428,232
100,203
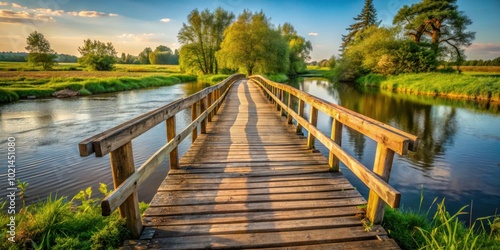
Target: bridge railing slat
117,141
389,140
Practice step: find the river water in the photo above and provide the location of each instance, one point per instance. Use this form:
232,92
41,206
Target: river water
458,156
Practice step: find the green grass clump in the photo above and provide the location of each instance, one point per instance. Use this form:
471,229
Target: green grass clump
439,84
281,78
8,96
59,223
212,78
185,78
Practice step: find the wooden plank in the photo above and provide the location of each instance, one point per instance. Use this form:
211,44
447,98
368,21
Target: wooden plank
248,217
272,239
313,120
336,136
359,244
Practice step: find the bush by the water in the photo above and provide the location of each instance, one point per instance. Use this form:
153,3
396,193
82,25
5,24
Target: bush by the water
59,223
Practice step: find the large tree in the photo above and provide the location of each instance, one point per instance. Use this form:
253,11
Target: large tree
201,37
440,23
300,49
253,45
97,55
144,55
40,53
163,55
365,19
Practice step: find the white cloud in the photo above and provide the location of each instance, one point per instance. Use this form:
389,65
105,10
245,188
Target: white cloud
72,13
50,11
143,38
4,4
484,51
313,34
10,16
15,5
113,14
91,13
165,20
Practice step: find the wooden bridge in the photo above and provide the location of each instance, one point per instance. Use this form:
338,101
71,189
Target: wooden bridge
250,178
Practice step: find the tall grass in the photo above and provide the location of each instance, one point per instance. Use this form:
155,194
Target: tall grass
59,223
413,230
212,78
438,84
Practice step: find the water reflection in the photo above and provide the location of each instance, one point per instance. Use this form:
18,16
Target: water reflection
457,156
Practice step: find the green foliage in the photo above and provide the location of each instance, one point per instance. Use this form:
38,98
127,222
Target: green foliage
277,77
365,19
212,78
40,53
402,227
8,96
299,48
252,45
57,223
97,55
144,55
201,38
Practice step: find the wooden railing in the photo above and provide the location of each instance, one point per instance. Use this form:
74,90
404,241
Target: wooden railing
389,140
117,142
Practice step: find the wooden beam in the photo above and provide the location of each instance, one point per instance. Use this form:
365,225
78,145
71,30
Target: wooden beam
313,120
203,107
209,103
336,136
289,117
382,167
194,115
122,167
300,111
174,155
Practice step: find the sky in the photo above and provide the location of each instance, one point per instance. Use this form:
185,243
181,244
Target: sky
132,25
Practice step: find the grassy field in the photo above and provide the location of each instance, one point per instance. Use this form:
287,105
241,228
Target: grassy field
453,85
20,80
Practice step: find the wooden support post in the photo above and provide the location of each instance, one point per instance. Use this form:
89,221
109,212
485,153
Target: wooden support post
289,117
122,166
313,119
216,97
300,112
203,107
174,155
194,115
382,167
278,94
336,136
209,103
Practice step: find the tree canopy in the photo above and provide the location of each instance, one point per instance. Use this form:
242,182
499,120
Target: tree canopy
251,44
365,19
40,53
164,55
201,37
300,49
97,55
440,23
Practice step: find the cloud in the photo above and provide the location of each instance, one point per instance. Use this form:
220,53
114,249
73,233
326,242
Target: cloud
10,16
50,11
165,20
484,51
113,14
15,5
143,38
313,33
91,13
4,4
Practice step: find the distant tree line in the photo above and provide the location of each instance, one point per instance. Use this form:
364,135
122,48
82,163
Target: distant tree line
493,62
22,57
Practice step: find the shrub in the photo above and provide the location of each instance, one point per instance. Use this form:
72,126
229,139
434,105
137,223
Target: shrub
8,96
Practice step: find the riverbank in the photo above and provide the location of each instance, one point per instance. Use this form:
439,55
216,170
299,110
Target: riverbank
486,88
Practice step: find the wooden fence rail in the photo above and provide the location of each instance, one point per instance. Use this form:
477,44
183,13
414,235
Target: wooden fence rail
117,142
389,141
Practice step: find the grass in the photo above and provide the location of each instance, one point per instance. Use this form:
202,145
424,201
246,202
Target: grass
281,78
413,230
212,78
438,84
487,69
59,223
319,71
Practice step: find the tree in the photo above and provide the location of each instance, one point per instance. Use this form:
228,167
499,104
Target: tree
441,23
251,44
163,55
300,49
40,53
97,55
201,38
365,19
144,55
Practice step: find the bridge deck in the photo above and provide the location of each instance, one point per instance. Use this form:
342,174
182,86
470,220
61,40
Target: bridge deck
250,182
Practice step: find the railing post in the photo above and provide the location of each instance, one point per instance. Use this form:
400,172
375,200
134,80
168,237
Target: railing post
278,95
209,103
300,112
382,167
194,115
203,107
336,136
289,116
122,166
174,156
313,119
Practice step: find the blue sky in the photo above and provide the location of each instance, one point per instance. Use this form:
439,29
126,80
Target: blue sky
132,25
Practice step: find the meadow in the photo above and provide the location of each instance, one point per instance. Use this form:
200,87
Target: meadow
20,80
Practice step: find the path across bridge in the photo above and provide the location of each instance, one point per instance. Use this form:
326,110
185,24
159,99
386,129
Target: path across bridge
250,181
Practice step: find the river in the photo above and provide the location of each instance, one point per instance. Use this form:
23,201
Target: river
458,155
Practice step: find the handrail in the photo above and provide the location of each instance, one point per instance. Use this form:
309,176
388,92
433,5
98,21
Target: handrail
389,140
117,141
